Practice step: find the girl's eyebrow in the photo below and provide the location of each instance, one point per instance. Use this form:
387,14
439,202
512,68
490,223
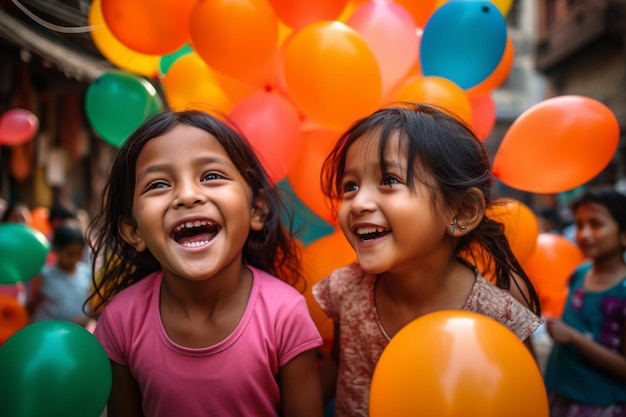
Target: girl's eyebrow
196,162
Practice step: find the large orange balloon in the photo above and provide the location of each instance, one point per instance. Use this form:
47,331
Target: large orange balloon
319,259
331,74
457,364
305,175
440,92
235,37
153,27
557,145
115,51
549,268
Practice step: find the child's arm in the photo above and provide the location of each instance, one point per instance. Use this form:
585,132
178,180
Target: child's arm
125,398
329,368
613,363
300,387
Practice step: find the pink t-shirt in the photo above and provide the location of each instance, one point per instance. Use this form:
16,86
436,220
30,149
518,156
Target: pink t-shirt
347,296
235,377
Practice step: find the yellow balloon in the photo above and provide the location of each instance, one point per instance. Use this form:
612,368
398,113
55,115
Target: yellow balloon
116,52
503,5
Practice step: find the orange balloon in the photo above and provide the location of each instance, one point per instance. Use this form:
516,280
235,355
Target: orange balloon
557,145
115,51
305,175
457,364
497,77
13,317
549,268
152,27
235,37
190,84
40,220
331,74
319,259
440,92
521,226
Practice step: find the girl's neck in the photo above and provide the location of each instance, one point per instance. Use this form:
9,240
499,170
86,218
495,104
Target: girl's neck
401,299
610,266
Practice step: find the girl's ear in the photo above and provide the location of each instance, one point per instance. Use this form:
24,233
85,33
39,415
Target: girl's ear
129,232
260,211
471,212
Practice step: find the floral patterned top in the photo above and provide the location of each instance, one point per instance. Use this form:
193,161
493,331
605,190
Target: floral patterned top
347,296
601,316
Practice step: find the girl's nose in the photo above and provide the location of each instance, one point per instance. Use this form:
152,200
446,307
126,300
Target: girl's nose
363,200
189,194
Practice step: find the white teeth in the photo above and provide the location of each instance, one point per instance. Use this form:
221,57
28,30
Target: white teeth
195,244
369,229
188,225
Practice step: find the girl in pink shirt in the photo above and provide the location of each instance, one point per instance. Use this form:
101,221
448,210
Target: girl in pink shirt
188,246
413,184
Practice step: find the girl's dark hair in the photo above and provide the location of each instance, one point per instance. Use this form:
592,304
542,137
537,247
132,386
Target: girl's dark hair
608,197
445,155
271,249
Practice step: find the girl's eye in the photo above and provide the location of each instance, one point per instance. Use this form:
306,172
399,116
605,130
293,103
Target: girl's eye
390,180
210,176
156,185
350,186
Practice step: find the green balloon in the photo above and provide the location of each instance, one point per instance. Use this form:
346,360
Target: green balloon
53,368
117,103
166,61
23,252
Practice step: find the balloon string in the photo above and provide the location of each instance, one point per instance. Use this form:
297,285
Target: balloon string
52,26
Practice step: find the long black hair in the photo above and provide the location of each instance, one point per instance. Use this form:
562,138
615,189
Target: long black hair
442,148
117,265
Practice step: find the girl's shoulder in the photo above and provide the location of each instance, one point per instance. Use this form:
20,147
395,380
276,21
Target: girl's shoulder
497,303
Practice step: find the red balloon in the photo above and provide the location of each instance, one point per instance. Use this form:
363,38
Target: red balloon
305,175
17,126
557,145
483,114
298,14
273,127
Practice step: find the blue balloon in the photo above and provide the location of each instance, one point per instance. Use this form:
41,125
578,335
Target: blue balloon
463,41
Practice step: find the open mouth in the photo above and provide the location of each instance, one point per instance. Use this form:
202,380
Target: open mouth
370,233
193,234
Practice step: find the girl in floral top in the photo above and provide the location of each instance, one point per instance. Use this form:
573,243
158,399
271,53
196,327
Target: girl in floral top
413,185
586,370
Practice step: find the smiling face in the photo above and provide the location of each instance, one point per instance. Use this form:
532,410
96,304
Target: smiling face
391,226
192,208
